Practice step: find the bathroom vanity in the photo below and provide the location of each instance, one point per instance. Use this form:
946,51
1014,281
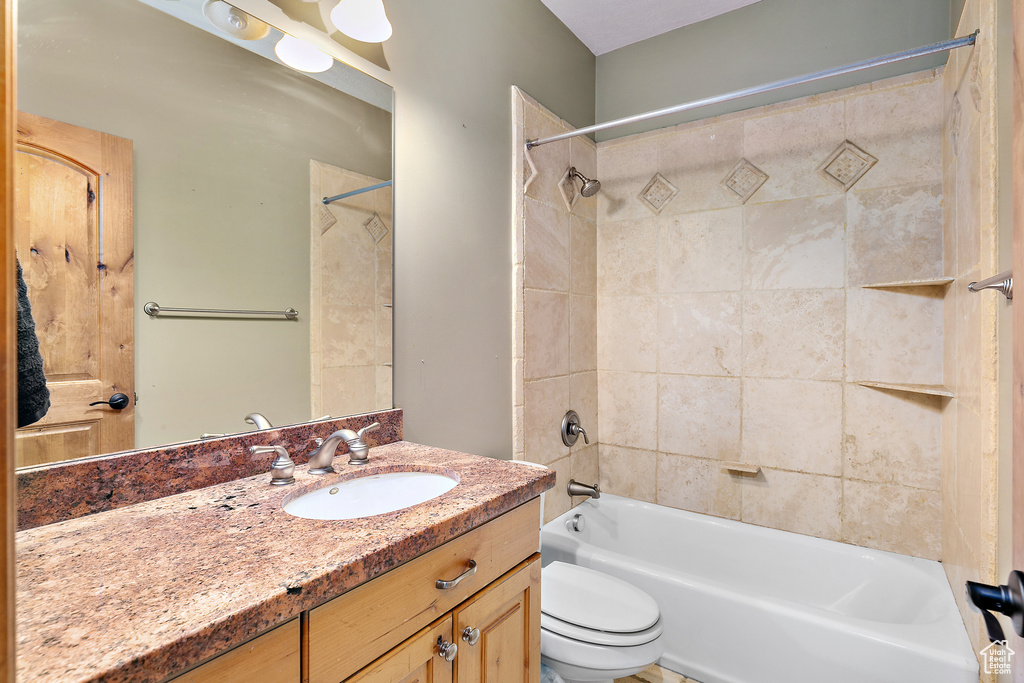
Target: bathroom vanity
222,584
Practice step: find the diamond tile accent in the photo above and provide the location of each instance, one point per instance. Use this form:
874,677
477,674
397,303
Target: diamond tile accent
658,193
567,187
375,226
744,180
846,165
530,172
327,218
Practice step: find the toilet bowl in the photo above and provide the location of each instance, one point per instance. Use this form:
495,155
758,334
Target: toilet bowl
595,627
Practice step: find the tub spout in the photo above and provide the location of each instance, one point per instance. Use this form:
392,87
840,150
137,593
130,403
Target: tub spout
577,489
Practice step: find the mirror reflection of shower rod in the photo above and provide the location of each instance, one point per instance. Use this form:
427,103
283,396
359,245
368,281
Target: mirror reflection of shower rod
758,89
353,193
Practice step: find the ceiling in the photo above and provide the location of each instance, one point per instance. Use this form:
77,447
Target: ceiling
606,25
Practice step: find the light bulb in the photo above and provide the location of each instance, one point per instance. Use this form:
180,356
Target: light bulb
363,20
298,54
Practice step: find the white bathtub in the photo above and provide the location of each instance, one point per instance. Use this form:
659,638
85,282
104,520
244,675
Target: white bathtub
745,604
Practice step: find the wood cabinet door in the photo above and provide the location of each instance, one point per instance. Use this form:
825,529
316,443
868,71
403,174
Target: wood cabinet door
73,236
271,658
498,630
417,660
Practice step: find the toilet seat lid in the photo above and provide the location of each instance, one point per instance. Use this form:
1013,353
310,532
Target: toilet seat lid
592,600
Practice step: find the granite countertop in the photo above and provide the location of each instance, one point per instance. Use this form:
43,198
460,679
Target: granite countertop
140,592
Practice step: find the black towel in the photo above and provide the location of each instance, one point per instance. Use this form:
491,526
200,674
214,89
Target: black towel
33,396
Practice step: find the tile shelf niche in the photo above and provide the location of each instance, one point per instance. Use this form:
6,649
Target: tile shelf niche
936,282
930,389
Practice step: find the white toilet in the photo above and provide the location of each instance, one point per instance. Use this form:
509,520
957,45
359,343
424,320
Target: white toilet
595,627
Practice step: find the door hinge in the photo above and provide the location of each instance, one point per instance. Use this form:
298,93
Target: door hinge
91,193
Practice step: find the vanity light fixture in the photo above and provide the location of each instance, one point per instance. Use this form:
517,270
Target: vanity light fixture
364,20
298,54
235,22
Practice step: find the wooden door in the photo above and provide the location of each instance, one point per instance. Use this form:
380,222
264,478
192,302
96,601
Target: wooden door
415,661
498,630
73,236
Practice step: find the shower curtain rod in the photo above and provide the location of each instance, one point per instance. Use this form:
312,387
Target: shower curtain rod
768,87
353,193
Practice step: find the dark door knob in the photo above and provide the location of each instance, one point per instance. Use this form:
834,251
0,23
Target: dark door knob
117,402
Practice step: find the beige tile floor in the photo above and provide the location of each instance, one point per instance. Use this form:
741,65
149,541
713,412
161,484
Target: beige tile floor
656,674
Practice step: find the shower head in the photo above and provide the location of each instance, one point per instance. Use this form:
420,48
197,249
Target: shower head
590,187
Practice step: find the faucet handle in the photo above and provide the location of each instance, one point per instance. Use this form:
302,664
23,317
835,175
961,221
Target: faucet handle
282,470
368,428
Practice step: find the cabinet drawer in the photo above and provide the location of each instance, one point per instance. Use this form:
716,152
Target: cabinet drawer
352,630
270,658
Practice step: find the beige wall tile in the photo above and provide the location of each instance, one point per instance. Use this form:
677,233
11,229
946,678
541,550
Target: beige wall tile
892,517
556,500
793,425
583,155
629,472
790,160
349,262
700,252
349,335
700,333
385,388
627,333
697,485
894,336
583,398
385,270
793,501
967,209
546,403
586,468
383,340
895,234
696,160
893,437
699,416
968,342
546,334
628,413
551,159
582,333
349,390
793,334
583,257
627,259
901,127
547,247
625,170
518,433
796,244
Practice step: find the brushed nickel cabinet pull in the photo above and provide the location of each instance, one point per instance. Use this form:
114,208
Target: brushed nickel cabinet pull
445,585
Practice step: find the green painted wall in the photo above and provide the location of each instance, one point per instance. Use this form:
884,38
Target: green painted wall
454,63
760,43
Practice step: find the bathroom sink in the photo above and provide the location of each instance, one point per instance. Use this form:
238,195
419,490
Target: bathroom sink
370,495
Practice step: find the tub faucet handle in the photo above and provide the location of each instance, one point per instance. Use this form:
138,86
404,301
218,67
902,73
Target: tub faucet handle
571,429
1007,599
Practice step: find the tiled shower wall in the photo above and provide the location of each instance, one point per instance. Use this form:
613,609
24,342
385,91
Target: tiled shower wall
555,301
740,331
970,420
350,294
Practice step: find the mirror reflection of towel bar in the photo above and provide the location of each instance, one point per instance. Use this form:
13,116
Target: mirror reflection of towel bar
153,309
1003,282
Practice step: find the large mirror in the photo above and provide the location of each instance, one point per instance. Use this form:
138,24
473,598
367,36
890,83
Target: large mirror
161,160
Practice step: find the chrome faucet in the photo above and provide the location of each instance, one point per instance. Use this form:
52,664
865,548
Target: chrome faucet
282,470
322,459
258,420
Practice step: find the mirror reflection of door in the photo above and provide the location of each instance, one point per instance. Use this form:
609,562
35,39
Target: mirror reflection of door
73,237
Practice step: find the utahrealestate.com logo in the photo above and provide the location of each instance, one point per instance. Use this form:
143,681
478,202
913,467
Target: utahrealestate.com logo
997,657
